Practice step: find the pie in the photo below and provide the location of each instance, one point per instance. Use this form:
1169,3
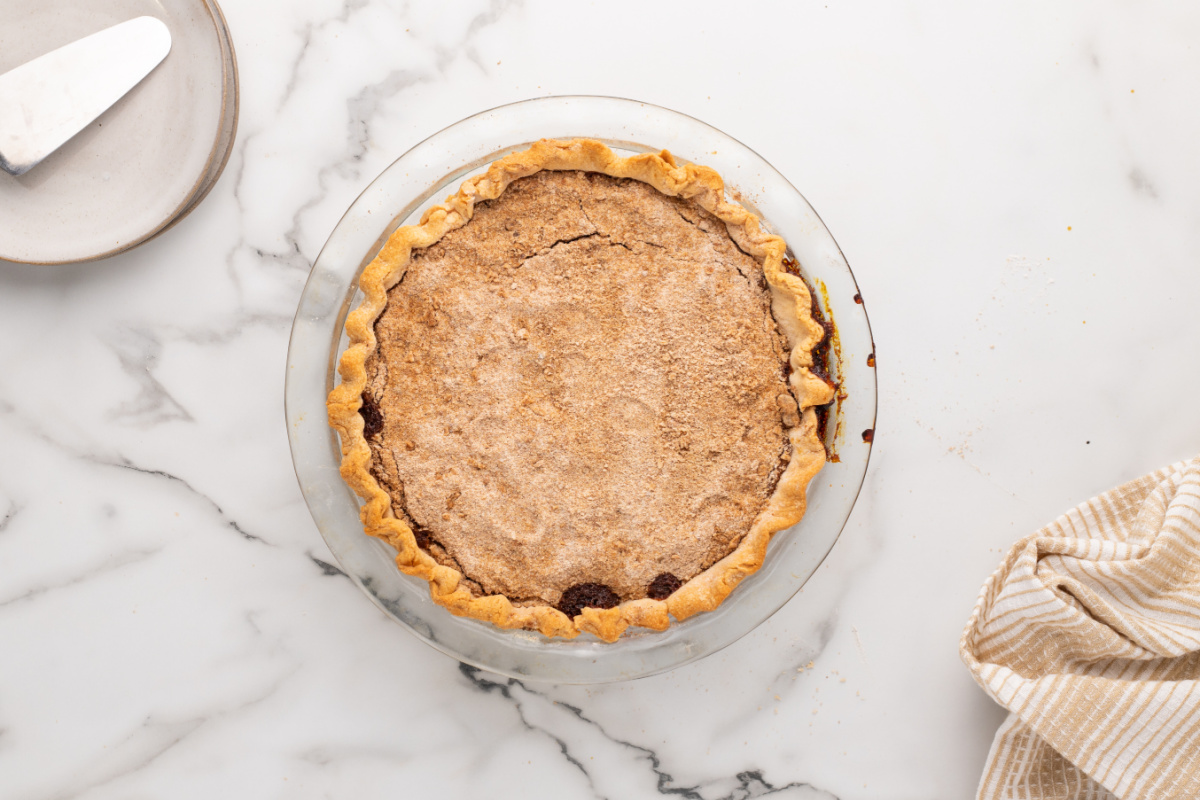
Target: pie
581,395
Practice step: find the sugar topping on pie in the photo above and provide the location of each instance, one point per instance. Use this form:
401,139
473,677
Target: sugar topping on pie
583,385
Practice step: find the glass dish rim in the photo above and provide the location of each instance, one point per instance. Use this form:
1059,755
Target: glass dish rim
407,214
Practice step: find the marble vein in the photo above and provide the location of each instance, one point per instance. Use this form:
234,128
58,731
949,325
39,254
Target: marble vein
138,353
226,520
495,12
90,573
121,462
235,326
1141,184
361,107
149,743
754,785
327,568
798,659
155,739
9,516
504,689
306,38
748,783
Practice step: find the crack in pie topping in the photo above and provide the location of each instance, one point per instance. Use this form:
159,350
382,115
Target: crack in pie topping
577,396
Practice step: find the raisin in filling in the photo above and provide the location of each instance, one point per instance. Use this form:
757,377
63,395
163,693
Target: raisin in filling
663,586
587,595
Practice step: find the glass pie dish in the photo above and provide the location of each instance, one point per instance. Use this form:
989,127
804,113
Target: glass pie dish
424,176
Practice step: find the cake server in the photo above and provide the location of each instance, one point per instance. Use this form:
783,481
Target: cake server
46,101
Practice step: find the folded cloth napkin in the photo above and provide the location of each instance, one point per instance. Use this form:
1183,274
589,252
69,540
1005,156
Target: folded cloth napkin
1089,634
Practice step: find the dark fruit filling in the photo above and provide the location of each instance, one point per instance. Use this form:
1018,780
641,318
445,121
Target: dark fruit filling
372,418
423,536
587,595
663,586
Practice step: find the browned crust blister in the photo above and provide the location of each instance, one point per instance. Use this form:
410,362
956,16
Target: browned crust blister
790,305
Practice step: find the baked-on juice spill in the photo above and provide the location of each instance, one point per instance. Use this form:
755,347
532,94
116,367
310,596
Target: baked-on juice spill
823,357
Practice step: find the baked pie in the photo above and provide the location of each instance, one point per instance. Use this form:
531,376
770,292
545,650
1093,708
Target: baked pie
580,395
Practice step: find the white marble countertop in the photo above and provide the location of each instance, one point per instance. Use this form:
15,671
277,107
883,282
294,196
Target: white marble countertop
1017,188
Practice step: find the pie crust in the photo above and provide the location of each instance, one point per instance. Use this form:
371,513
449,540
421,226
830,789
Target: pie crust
790,306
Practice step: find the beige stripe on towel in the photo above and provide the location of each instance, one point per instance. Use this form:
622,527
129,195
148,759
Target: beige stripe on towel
1089,634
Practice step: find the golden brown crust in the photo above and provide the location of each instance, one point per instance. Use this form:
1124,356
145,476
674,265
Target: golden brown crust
790,302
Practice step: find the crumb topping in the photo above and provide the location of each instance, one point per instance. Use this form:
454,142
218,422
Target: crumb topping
584,385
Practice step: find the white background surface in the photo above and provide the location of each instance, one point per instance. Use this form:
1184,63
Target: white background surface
1016,187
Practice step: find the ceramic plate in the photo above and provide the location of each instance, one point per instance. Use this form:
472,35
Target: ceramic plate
229,123
424,176
139,165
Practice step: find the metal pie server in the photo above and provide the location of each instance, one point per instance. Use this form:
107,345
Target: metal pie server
46,101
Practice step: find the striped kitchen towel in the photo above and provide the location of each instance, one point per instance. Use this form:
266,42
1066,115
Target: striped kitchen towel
1089,634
